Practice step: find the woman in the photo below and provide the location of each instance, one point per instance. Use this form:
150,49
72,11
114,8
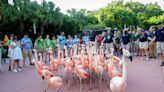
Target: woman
143,45
98,40
16,55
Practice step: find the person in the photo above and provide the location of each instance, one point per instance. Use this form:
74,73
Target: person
39,45
1,69
117,41
92,36
62,40
85,39
152,46
10,50
76,40
54,45
16,55
159,38
70,45
98,40
143,44
47,45
108,40
125,39
27,47
134,46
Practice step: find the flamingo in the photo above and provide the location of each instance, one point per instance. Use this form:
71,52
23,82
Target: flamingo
53,63
118,84
99,71
53,81
81,73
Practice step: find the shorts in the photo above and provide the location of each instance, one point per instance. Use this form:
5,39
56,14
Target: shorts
62,46
143,45
108,46
127,46
40,51
160,47
27,53
47,50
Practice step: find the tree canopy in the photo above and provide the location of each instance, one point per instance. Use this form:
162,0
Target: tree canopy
48,18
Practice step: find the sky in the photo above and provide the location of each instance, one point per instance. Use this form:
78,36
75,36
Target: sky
91,4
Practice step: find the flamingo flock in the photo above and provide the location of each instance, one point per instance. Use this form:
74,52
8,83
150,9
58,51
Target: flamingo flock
86,64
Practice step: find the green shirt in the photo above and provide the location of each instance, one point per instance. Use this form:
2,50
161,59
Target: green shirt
9,42
134,37
53,44
47,43
39,43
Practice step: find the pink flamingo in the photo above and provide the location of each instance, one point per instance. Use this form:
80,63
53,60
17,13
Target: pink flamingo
118,84
53,81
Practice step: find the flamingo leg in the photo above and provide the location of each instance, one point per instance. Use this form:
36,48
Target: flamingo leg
80,84
100,83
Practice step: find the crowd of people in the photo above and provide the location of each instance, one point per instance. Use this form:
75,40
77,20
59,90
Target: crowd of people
144,43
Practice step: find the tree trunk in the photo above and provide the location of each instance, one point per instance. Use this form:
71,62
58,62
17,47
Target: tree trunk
21,26
41,28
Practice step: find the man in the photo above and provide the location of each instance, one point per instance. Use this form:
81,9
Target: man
159,38
54,45
27,47
152,47
39,45
92,36
108,40
47,45
126,40
62,40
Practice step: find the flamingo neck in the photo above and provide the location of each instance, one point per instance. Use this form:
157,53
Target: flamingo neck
123,57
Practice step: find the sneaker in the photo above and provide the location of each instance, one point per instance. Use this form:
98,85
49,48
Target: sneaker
142,58
9,68
147,59
31,63
162,64
15,70
19,69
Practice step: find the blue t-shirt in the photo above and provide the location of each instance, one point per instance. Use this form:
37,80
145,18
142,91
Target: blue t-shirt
76,41
27,43
86,39
62,39
70,42
159,34
126,39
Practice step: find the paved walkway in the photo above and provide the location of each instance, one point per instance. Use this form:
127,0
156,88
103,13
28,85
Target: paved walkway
143,76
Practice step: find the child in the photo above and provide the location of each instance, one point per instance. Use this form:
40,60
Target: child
16,55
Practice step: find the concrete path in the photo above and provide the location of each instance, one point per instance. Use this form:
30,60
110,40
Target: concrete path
143,76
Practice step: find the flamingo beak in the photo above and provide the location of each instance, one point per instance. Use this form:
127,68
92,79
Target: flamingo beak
131,58
43,77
